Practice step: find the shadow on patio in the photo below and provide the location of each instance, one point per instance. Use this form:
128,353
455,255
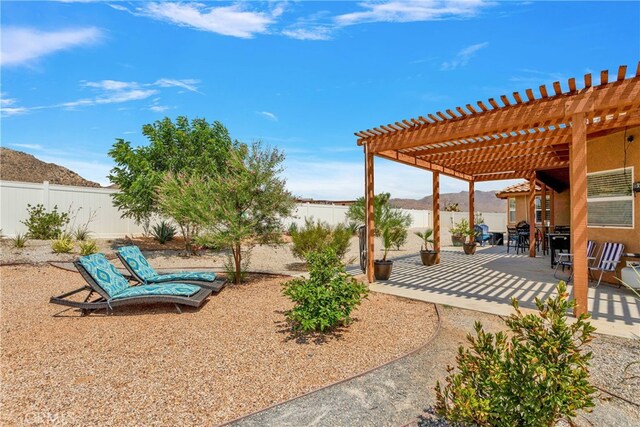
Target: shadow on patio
489,279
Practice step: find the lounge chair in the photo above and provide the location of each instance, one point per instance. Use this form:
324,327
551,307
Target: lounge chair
134,261
566,260
482,234
609,259
114,290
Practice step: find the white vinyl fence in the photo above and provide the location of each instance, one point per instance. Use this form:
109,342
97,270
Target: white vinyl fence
84,202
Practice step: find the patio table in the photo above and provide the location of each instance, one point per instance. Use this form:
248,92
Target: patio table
558,242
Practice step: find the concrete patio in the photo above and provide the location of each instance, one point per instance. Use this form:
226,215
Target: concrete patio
489,279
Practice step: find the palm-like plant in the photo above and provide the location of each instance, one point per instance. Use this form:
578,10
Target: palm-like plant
426,240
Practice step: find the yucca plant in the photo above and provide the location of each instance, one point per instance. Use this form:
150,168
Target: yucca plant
163,232
81,233
89,247
19,241
63,244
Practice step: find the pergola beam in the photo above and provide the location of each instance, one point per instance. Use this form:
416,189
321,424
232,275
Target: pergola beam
519,116
538,138
507,151
530,164
422,164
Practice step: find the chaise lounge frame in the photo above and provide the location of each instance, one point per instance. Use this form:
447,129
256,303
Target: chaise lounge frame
102,301
215,286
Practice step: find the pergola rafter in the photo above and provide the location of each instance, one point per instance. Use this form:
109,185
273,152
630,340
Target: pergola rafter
513,137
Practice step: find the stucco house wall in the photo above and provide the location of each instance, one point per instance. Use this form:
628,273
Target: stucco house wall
603,153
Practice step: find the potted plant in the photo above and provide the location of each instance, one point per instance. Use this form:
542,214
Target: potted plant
470,246
391,226
459,232
382,267
428,257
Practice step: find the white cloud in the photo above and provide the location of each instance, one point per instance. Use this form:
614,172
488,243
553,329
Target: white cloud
311,33
37,147
268,115
107,92
411,11
188,84
159,108
22,45
111,85
463,56
114,97
235,20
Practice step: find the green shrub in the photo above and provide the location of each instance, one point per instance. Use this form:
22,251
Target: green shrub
63,244
81,233
89,247
163,232
315,236
45,225
327,298
19,241
535,375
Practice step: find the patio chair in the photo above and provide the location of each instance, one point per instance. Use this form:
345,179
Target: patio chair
566,260
512,238
113,289
609,259
482,234
523,237
134,261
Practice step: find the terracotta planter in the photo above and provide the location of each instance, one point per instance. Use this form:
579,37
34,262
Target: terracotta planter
382,269
458,240
428,257
469,248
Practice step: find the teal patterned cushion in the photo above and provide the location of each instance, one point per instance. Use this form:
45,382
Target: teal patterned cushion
177,289
186,275
138,263
104,273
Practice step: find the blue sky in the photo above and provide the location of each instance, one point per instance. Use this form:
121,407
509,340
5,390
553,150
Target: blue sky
302,76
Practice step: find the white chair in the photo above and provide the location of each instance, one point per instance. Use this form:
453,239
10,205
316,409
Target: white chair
566,260
609,259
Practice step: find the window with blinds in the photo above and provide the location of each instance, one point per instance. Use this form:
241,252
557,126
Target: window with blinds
610,198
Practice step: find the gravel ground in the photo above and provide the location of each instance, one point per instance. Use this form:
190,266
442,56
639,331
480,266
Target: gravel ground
151,366
277,259
396,394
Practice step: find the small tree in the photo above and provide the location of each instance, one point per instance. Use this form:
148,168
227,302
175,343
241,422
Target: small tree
534,376
240,208
181,148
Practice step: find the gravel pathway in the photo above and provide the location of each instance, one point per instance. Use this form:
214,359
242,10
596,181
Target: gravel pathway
151,366
397,393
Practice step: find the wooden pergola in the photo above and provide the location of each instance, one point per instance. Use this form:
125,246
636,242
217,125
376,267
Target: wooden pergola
518,137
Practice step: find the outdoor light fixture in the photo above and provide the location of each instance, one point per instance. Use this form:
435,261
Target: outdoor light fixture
636,187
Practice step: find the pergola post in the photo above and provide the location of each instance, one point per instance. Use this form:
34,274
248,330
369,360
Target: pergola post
532,216
472,213
543,216
552,213
578,180
543,204
369,196
436,215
